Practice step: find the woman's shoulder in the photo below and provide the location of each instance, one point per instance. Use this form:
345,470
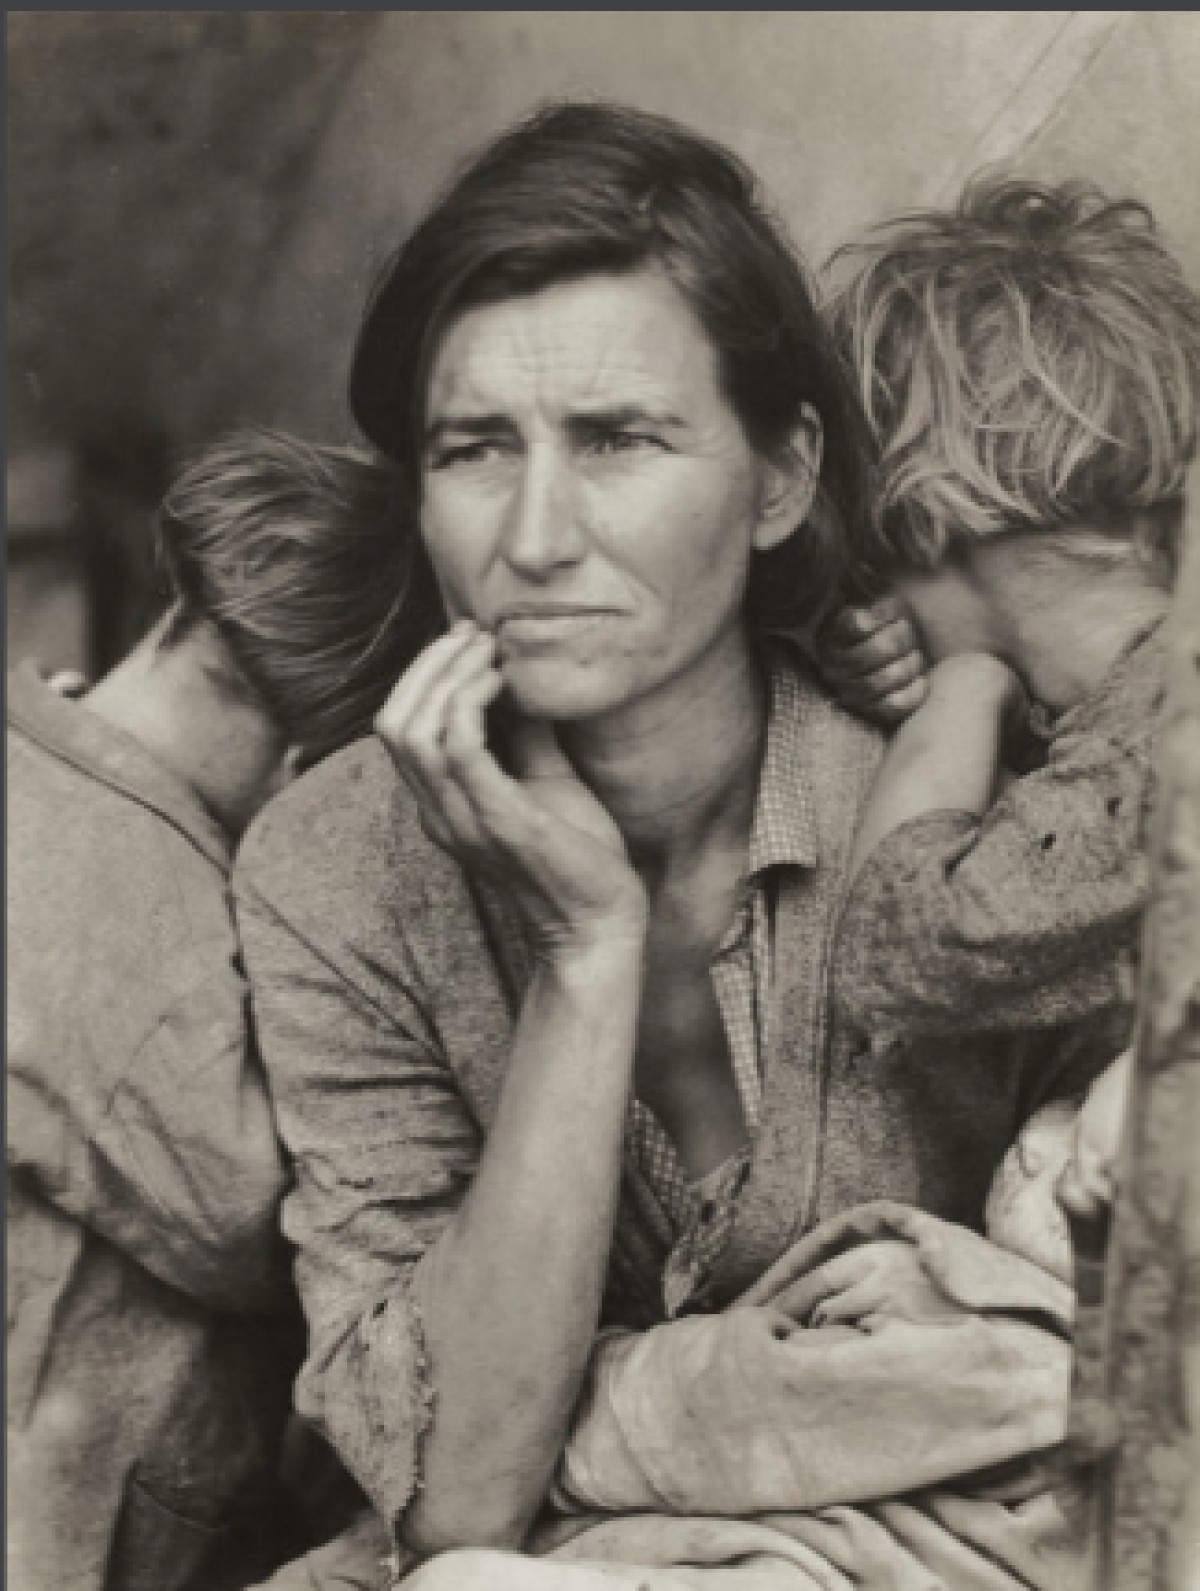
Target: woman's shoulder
348,829
838,742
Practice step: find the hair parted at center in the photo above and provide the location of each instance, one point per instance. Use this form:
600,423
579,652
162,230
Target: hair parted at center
587,188
1027,360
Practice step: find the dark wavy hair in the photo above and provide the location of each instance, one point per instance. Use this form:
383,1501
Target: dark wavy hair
1028,360
583,188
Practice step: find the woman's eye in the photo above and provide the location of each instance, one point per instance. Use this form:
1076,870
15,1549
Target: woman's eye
623,442
465,453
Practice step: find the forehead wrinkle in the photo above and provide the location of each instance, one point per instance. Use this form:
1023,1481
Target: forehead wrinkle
548,348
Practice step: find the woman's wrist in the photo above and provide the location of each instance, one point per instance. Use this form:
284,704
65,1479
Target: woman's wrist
604,950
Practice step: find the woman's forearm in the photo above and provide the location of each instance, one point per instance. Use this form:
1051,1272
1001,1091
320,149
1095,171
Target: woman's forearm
511,1294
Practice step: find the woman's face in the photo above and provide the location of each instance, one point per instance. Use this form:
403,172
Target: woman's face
589,495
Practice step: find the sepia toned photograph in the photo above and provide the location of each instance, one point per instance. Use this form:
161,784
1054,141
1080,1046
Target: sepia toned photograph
603,801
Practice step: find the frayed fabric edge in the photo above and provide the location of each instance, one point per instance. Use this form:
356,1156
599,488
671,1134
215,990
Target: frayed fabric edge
424,1397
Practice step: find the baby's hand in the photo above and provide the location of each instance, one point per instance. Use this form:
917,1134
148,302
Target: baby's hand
1088,1184
883,1277
872,661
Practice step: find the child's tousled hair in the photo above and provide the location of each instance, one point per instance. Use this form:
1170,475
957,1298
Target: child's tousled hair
296,557
1027,360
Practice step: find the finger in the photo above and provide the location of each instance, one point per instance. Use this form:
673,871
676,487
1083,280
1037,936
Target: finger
851,1305
436,828
1077,1198
892,677
419,753
890,710
423,738
1096,1171
415,682
429,714
500,806
463,741
465,722
895,641
858,621
533,749
67,682
807,1293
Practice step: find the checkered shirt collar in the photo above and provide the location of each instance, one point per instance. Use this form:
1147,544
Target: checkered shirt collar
784,830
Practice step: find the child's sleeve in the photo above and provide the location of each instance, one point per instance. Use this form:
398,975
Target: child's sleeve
1025,918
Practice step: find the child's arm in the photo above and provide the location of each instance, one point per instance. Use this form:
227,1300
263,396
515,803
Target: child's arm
980,910
947,756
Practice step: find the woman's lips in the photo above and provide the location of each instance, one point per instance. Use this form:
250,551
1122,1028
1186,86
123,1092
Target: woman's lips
546,626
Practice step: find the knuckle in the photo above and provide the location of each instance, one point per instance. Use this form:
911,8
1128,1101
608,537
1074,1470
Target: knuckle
890,644
389,724
909,631
456,755
907,697
897,674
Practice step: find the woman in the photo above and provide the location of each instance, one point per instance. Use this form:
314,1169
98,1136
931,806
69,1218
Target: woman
546,1016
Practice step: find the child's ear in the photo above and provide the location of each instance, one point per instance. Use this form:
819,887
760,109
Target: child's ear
790,479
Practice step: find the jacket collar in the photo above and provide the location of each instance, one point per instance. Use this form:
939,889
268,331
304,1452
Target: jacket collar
67,730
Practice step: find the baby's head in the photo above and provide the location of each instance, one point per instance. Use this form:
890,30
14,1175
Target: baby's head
1029,362
1062,1165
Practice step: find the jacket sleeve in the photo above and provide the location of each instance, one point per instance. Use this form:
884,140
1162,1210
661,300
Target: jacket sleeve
383,1148
178,1162
1028,917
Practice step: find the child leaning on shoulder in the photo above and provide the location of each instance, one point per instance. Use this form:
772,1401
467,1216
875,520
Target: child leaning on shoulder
1030,365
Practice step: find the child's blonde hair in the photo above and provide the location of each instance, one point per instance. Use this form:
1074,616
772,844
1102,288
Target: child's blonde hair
1028,360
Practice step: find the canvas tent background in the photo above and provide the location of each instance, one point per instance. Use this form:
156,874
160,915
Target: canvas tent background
198,202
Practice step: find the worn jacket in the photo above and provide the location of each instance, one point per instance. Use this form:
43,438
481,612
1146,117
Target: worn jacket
386,990
1029,917
151,1318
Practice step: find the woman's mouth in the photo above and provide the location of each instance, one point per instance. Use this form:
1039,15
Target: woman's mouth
549,623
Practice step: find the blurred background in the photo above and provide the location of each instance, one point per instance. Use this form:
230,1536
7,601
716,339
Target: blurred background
199,202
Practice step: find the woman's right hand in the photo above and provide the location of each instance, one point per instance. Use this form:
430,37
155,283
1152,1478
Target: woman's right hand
537,834
882,1278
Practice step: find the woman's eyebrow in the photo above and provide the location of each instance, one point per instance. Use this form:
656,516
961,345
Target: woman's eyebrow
467,425
617,415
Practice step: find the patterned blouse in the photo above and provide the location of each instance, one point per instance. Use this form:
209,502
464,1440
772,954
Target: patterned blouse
697,1216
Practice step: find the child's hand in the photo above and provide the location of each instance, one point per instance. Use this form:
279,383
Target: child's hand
872,661
1088,1184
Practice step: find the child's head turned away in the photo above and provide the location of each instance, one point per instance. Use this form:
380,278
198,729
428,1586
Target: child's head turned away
1029,362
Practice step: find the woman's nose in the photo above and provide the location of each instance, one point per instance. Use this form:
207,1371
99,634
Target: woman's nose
544,531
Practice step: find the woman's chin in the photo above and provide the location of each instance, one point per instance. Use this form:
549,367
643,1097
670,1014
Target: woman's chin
559,690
